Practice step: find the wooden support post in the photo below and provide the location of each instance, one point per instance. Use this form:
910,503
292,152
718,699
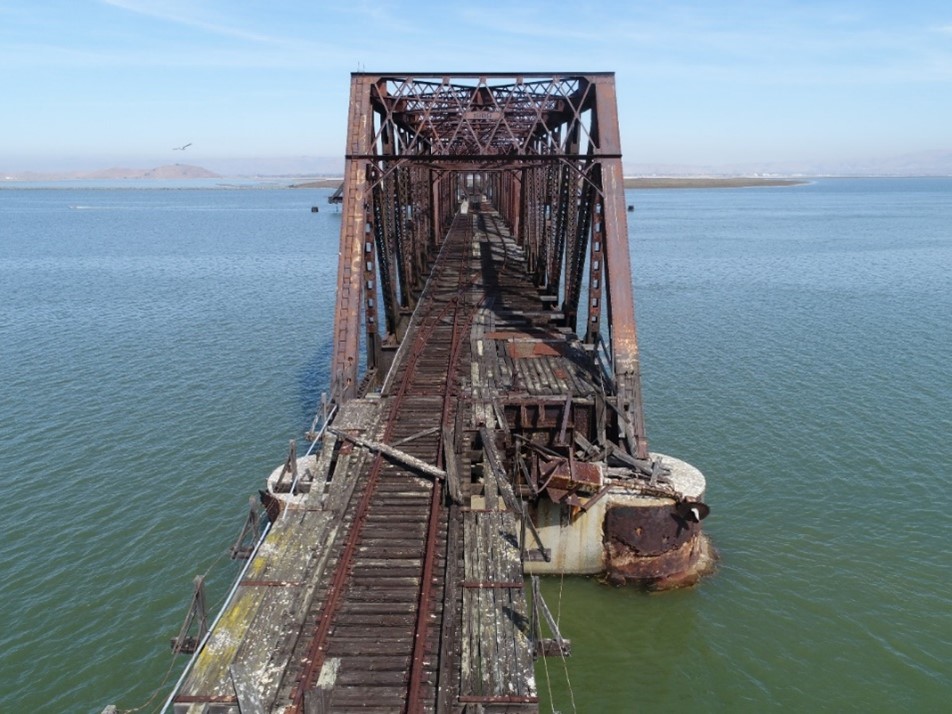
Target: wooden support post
321,415
288,476
184,644
290,465
397,455
242,550
545,646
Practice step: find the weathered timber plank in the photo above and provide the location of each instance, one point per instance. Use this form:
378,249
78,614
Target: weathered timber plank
468,656
375,620
494,630
449,639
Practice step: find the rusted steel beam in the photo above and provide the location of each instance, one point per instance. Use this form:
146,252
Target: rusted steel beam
353,236
478,158
621,303
517,77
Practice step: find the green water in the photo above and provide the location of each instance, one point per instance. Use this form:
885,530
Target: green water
159,347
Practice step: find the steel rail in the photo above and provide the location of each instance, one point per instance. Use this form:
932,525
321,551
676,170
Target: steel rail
414,695
317,648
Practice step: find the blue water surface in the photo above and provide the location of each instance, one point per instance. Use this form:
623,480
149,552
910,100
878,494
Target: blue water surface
159,347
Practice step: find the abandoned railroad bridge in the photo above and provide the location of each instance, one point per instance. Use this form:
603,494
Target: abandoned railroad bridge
484,424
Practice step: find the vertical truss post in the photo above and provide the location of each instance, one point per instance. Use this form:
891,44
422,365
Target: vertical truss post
370,291
527,213
416,195
436,203
354,234
575,249
404,250
596,266
387,270
515,201
621,302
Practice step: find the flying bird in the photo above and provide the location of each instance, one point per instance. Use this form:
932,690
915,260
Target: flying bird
181,148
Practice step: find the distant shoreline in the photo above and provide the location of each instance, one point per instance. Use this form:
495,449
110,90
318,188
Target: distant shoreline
719,182
319,183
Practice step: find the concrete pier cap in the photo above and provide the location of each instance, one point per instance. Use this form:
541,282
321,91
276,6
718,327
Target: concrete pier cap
685,478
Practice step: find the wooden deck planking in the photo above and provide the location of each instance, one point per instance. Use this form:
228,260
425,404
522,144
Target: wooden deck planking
479,657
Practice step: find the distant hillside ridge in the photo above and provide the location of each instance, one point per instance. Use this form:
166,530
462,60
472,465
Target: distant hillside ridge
169,171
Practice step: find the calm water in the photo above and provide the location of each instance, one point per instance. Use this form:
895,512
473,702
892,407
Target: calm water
159,347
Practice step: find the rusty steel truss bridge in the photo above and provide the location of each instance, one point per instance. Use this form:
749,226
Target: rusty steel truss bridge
485,400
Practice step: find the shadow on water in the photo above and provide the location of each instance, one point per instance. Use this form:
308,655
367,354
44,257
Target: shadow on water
629,647
313,380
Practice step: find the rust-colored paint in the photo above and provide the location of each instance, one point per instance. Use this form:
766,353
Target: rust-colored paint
579,475
651,545
541,348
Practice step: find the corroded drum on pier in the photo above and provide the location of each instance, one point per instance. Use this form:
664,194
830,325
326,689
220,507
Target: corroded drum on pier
637,533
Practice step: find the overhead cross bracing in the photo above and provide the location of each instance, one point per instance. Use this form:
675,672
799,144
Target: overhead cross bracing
545,150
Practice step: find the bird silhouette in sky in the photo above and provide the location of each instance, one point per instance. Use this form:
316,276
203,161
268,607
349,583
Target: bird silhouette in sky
181,148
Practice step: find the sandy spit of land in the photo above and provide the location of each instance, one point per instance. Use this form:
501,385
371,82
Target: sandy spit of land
720,182
319,183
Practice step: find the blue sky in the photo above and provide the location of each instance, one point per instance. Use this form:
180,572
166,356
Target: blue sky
96,83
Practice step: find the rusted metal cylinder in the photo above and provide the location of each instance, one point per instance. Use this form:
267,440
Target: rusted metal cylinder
657,545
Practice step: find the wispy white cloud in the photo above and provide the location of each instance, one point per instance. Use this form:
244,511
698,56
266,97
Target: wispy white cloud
744,63
293,57
184,13
380,17
773,43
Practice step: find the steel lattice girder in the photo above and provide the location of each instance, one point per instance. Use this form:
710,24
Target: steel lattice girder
555,136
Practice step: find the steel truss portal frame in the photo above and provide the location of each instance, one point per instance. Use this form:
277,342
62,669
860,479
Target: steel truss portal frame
546,151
